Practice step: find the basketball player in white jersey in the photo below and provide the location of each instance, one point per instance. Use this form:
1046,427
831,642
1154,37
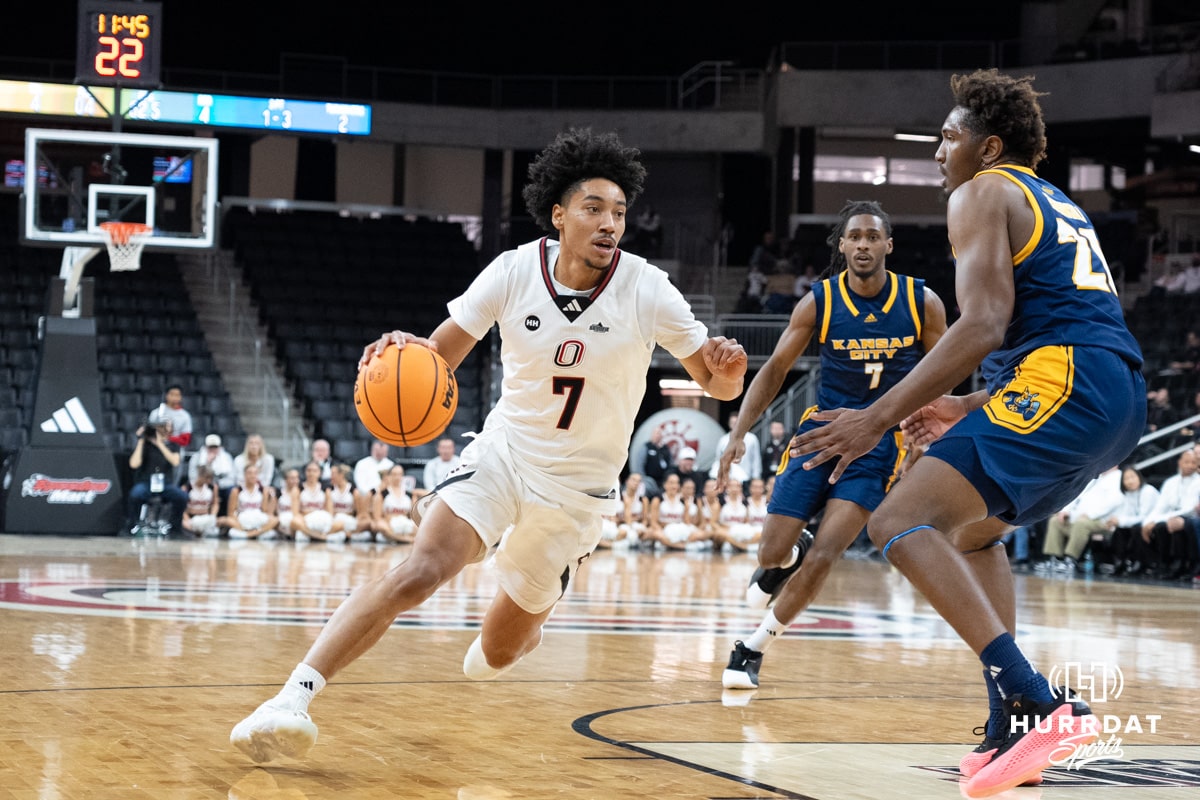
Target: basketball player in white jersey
579,320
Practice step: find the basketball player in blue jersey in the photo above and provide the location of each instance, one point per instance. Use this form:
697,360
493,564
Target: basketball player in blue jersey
579,322
873,326
1065,400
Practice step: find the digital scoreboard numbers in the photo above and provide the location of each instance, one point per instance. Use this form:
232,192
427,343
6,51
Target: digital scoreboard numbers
119,44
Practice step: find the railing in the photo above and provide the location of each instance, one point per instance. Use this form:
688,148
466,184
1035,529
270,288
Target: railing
274,396
1173,452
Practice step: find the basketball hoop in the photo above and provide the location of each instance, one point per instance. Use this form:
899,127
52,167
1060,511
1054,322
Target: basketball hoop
125,241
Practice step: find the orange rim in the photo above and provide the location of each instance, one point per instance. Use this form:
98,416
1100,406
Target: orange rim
120,232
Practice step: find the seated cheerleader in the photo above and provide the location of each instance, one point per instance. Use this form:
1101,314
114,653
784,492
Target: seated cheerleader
251,508
203,505
391,505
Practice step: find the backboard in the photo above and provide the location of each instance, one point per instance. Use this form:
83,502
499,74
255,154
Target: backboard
76,180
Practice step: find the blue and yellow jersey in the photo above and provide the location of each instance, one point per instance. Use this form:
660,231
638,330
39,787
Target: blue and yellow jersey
1065,294
867,343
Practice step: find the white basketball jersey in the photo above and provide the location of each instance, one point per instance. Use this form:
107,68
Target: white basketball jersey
574,364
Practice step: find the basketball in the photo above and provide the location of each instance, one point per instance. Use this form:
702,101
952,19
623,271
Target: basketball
406,397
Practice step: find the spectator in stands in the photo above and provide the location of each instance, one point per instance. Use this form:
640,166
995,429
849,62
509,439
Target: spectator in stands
804,281
370,469
216,458
1187,361
203,505
1172,282
254,451
438,467
1069,532
780,285
1169,527
656,460
390,507
750,466
1191,432
153,461
1159,411
322,454
776,446
648,239
767,254
1019,540
685,467
1138,498
751,299
181,418
250,510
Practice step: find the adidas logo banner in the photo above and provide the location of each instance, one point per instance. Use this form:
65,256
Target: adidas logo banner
572,305
71,418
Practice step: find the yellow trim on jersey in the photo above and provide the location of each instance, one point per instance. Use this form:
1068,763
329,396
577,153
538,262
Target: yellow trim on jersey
895,284
901,454
787,453
1040,385
911,288
1039,223
844,288
827,311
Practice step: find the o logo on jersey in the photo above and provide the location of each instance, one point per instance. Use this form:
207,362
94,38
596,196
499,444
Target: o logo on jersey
532,323
569,353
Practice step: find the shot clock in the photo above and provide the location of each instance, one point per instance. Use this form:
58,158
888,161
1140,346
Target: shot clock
119,44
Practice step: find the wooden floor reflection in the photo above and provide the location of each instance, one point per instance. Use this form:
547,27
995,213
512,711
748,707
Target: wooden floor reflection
126,662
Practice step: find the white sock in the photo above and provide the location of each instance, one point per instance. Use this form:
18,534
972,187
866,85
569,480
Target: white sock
475,665
300,688
768,631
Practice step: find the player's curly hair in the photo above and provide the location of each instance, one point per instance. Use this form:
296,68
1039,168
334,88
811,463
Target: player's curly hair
575,156
852,208
1004,106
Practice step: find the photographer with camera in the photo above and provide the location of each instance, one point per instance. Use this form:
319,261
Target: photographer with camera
153,461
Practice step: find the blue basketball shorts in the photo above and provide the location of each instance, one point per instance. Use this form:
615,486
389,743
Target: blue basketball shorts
1067,414
802,493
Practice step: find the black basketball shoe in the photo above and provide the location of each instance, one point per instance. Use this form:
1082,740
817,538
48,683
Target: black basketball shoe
766,584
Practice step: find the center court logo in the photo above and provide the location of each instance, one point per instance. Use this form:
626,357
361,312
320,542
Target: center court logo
1098,684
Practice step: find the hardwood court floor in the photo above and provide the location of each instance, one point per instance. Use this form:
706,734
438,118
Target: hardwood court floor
126,662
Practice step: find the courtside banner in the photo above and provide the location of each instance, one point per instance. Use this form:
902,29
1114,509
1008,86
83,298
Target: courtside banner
59,490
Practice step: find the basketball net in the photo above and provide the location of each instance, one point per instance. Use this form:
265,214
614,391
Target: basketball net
125,241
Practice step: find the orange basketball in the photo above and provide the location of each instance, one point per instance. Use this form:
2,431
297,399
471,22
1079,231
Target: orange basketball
406,397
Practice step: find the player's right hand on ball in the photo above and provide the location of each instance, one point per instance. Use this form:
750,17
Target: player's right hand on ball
398,338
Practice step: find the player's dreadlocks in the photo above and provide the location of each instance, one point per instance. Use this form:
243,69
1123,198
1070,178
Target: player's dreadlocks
575,156
1003,106
837,261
